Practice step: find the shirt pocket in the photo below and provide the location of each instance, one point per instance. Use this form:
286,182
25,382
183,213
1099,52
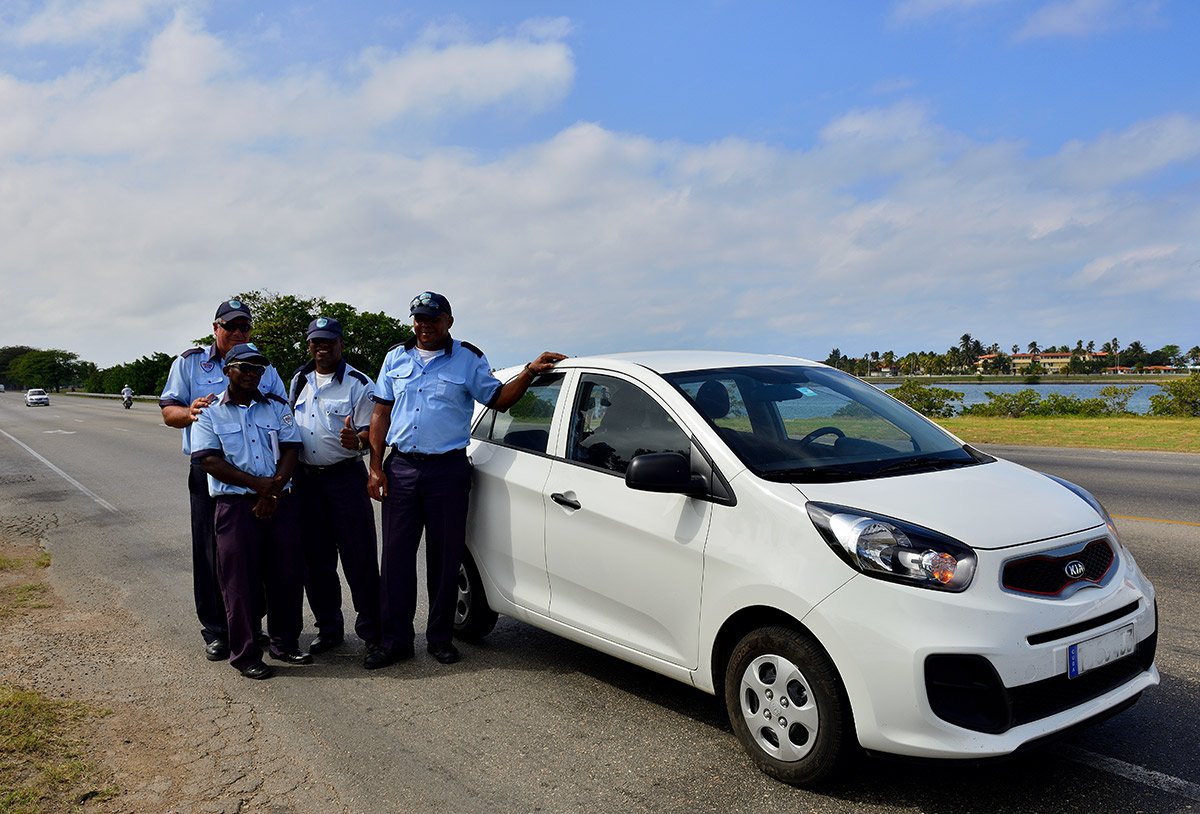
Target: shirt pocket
451,387
334,413
233,440
402,376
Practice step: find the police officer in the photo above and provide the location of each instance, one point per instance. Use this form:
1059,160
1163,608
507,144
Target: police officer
247,443
423,404
196,376
332,404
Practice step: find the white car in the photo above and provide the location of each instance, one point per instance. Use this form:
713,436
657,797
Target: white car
839,569
37,398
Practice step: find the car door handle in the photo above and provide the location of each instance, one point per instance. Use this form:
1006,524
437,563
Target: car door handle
563,500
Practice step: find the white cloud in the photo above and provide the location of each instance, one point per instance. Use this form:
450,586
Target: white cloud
1085,18
69,21
1142,150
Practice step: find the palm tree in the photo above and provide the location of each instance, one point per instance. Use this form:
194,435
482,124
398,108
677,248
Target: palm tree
1033,347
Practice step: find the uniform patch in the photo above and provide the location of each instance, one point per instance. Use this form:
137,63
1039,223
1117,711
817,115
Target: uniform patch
235,304
287,420
322,322
207,367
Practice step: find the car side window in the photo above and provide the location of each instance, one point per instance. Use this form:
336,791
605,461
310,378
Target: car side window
615,420
526,425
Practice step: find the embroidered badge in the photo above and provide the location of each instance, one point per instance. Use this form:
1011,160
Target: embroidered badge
322,322
207,367
287,421
235,304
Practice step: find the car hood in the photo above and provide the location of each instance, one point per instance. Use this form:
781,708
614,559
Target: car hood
992,505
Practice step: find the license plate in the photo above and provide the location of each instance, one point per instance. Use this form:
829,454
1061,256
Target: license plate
1100,651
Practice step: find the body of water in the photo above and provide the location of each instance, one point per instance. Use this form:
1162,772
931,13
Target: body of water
974,393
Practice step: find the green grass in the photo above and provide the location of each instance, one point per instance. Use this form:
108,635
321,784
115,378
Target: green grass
1120,432
42,766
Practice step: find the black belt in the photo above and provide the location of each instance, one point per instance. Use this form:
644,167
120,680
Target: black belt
313,469
426,456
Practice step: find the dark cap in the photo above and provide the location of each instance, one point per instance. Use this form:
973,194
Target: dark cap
324,328
430,304
246,352
233,309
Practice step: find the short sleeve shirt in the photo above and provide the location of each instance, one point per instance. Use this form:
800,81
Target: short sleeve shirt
321,411
251,437
431,404
200,372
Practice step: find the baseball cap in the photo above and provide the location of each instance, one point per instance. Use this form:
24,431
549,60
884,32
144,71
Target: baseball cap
324,328
430,304
246,352
232,309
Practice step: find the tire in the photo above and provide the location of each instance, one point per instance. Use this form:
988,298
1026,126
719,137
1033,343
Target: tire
473,618
787,706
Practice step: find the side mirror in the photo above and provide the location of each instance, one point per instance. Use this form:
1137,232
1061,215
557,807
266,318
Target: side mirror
664,472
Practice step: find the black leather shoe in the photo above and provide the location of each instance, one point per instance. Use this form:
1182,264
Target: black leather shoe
323,643
293,657
445,652
262,640
216,650
378,657
258,671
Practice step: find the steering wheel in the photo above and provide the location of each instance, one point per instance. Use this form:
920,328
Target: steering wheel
818,432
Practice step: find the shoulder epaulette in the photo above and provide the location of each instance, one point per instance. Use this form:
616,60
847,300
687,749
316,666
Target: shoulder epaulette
358,375
472,348
191,352
276,397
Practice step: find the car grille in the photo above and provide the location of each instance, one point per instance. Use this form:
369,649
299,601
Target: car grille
1046,574
966,691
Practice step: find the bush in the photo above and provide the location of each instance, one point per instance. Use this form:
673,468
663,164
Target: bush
1116,399
1011,405
1112,401
930,401
1179,398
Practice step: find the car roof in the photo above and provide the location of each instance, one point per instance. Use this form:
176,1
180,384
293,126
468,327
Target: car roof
676,361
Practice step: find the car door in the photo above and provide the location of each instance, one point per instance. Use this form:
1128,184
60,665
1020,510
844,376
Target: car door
624,565
506,520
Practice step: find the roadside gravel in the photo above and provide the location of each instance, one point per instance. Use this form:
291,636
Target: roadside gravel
172,743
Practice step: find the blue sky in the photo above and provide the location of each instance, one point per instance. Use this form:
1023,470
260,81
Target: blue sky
782,177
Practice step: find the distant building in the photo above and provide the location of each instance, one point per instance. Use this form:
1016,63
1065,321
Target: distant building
1051,362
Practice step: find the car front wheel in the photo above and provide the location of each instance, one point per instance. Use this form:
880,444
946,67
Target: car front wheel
788,707
473,618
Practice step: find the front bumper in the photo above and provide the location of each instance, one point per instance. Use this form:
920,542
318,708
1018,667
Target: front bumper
983,672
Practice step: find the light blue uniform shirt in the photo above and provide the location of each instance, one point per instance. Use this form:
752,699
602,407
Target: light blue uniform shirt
200,372
321,412
432,403
250,438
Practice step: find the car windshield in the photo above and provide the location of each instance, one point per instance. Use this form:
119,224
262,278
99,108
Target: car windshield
37,392
805,424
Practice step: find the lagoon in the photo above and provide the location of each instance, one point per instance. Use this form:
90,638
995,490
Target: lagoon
974,393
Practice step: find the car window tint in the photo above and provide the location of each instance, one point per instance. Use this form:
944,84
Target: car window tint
614,420
526,425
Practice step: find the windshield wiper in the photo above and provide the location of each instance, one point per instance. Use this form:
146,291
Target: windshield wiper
816,474
923,462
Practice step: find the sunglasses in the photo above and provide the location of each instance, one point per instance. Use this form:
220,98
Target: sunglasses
238,326
247,367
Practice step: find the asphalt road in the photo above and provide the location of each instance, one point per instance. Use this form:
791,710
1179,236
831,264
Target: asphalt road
532,722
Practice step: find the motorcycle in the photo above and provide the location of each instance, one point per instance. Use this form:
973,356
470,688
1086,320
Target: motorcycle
127,401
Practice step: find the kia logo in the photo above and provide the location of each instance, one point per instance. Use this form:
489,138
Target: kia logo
1074,569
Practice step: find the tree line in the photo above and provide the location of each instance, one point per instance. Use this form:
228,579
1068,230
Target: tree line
280,324
961,359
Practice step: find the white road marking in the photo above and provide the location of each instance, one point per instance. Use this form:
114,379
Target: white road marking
1138,774
58,432
104,504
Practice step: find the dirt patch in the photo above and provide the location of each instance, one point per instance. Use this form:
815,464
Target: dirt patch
136,734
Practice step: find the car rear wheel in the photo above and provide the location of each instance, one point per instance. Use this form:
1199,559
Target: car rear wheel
473,618
788,707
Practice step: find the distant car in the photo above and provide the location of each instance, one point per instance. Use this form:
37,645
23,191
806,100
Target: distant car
840,570
37,398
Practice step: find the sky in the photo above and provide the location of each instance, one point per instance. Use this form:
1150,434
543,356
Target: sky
782,177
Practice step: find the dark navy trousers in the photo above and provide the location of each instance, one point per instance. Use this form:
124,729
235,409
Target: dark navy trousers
210,609
430,494
254,554
338,521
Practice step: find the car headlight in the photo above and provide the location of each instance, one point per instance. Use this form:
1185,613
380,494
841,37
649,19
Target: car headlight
1090,500
892,549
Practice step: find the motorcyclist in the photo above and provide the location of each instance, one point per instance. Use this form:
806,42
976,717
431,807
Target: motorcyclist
127,395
